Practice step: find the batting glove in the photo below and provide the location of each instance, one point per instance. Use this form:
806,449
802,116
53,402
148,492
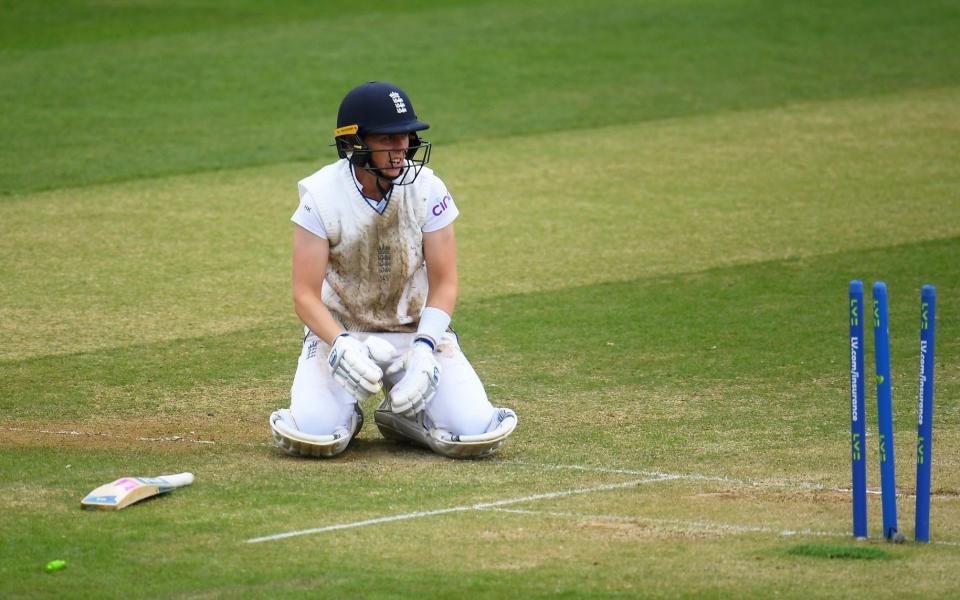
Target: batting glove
354,368
419,383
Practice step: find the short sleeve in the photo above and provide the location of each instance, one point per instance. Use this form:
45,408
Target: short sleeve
308,217
441,210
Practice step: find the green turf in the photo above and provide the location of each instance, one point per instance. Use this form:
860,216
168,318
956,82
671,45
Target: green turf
837,552
662,205
94,93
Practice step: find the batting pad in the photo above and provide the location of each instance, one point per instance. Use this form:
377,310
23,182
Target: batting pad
413,429
297,443
476,446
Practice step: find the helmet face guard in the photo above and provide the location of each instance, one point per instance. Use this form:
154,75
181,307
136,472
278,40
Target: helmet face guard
353,147
380,108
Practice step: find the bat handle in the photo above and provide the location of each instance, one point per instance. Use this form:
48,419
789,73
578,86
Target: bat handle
178,480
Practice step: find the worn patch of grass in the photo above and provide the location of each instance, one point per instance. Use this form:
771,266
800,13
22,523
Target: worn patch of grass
837,552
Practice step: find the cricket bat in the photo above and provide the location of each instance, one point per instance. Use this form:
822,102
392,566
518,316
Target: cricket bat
127,490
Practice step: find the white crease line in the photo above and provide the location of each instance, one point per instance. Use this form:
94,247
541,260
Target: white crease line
804,485
646,473
656,476
702,525
697,525
684,476
480,506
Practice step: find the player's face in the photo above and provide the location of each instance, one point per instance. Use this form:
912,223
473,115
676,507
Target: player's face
388,152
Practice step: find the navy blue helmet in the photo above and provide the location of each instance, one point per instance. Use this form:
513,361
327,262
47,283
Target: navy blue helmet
381,108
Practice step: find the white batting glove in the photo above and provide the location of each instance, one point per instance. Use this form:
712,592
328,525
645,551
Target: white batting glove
353,367
381,351
419,383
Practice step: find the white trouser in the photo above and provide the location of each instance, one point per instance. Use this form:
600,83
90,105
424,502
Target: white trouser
319,404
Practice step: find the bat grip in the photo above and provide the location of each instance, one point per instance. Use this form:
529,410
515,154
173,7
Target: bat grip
178,480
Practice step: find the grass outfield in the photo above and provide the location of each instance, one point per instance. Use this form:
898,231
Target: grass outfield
662,205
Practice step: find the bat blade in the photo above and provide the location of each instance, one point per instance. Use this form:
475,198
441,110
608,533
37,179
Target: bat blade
127,490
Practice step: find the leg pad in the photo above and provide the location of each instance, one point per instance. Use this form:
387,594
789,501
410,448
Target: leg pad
296,443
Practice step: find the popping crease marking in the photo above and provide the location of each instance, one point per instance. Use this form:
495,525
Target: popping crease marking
694,525
760,484
684,476
586,468
679,523
803,485
500,504
654,477
441,511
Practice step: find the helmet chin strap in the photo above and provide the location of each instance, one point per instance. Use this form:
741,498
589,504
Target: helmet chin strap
384,184
364,162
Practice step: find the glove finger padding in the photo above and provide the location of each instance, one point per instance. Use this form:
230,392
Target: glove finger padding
354,369
411,399
419,383
380,350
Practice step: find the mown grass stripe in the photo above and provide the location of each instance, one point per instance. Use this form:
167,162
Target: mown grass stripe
184,92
